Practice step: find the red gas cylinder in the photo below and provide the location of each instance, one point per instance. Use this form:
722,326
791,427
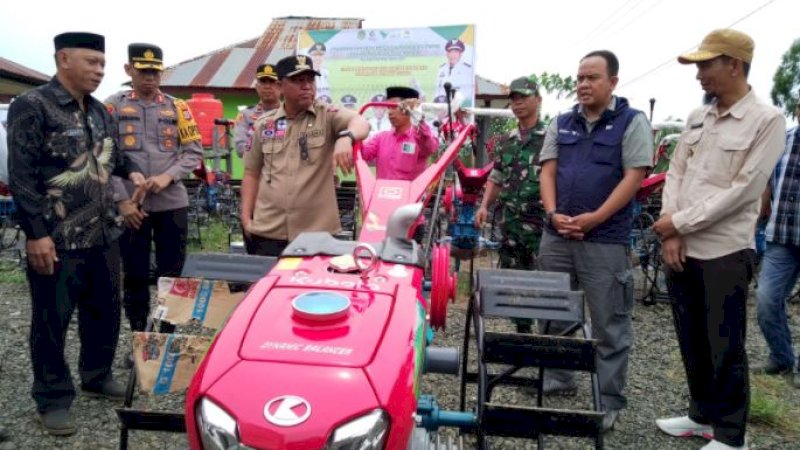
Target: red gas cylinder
205,108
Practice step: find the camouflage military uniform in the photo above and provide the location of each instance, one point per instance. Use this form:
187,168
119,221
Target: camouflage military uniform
516,170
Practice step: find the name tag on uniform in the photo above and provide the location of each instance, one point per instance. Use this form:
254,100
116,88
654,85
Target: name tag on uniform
408,148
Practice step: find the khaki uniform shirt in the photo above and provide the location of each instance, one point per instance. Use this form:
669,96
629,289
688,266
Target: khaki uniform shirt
296,191
719,171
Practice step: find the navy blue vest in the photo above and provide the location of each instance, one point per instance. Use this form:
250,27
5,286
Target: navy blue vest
590,167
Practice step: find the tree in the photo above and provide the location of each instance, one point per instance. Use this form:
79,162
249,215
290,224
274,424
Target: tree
555,83
786,81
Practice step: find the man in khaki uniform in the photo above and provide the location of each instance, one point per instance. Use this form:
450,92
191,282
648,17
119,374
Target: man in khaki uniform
711,202
288,187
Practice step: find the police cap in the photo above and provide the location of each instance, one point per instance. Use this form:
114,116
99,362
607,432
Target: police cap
145,56
266,72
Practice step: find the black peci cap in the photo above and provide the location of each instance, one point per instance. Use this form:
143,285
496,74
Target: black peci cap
401,92
80,39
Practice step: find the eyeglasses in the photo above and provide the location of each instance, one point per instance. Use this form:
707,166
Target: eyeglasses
303,141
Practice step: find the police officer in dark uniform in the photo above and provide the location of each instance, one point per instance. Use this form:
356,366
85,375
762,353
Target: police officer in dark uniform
157,132
269,95
62,151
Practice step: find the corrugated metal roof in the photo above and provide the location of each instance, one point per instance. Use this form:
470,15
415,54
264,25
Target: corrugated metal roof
10,69
234,66
487,87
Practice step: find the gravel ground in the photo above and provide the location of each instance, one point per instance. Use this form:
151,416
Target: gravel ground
656,388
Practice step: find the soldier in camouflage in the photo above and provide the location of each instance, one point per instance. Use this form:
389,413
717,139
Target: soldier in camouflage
515,181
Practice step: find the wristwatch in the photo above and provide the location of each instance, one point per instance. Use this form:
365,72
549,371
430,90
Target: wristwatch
347,133
549,215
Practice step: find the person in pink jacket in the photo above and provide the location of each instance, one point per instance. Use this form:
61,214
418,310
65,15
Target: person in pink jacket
402,152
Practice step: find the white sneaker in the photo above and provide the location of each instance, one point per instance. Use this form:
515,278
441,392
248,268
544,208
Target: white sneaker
684,427
717,445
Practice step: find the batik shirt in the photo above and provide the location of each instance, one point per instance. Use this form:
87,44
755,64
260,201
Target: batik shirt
61,159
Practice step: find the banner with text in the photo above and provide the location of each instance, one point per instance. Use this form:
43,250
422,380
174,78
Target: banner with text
357,65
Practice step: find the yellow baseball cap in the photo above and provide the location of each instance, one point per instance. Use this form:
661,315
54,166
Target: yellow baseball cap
721,42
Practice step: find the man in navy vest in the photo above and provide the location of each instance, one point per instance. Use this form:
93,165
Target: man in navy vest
593,160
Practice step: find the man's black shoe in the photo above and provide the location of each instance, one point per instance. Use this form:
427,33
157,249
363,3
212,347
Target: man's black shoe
111,389
771,368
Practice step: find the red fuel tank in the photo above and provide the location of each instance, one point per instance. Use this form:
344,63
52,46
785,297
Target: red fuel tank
206,108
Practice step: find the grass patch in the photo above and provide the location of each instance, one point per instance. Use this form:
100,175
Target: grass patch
769,405
11,272
214,235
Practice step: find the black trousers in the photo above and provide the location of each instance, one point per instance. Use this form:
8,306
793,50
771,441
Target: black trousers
88,279
262,246
710,314
168,229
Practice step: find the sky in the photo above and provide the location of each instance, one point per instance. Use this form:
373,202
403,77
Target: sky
512,38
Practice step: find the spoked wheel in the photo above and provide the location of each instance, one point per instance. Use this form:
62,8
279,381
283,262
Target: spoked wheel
646,259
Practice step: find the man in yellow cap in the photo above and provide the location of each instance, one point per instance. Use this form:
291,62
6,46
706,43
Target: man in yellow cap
269,95
711,201
158,132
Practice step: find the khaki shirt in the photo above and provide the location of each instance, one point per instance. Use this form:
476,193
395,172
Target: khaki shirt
718,172
295,194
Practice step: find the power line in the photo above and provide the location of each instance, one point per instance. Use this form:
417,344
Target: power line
605,22
672,59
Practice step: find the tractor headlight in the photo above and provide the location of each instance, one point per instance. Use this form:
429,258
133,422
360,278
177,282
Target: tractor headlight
368,432
218,430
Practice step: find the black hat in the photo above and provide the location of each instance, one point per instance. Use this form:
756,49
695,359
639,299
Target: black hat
294,65
145,56
401,92
454,44
378,98
349,99
79,39
266,71
317,47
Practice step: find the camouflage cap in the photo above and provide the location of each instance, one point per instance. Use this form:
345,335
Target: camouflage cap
524,85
